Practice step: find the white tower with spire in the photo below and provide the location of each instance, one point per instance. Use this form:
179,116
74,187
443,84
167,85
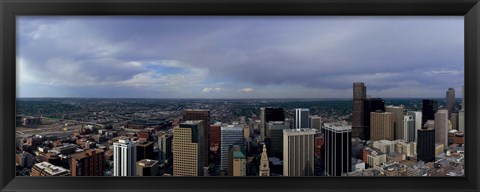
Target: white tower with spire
264,167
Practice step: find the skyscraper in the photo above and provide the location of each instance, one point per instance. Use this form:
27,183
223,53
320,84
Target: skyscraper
87,163
409,130
264,163
338,146
417,116
429,108
230,135
124,158
276,137
441,127
164,147
461,113
381,126
237,162
215,135
204,115
147,167
269,114
398,113
302,118
188,148
450,96
316,122
359,94
298,152
426,145
371,105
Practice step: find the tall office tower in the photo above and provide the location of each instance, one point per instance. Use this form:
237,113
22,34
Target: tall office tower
338,146
215,136
144,149
264,163
426,145
301,118
275,130
450,96
188,149
269,114
124,158
147,167
359,94
441,127
461,113
164,147
298,152
381,126
409,128
200,114
398,113
230,135
454,120
429,108
237,162
48,169
370,105
87,163
316,122
417,116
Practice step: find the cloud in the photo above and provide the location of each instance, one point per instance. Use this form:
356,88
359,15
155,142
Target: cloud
177,56
209,89
246,90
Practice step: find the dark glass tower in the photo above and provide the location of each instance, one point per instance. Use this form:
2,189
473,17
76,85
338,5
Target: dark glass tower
359,94
429,108
338,147
426,145
371,105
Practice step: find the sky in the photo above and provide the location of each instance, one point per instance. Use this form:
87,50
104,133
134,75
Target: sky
239,56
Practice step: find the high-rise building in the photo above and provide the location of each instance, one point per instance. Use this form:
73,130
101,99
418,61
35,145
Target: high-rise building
454,120
381,126
188,148
264,163
147,167
164,147
316,122
144,149
370,105
359,94
298,152
47,169
409,128
215,136
398,113
338,146
441,127
426,145
237,162
275,130
301,118
87,163
269,114
461,113
450,96
429,108
230,135
204,115
417,116
124,158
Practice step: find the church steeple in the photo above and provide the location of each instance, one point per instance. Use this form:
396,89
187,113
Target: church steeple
264,167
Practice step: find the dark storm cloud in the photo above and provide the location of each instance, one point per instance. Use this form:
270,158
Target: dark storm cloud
221,55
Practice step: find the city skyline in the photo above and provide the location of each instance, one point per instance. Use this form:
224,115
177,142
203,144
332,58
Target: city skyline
238,57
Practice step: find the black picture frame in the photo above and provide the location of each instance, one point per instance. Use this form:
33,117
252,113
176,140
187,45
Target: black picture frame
9,9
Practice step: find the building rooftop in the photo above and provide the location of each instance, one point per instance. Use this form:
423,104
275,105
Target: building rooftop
86,153
147,162
338,126
51,169
301,131
238,155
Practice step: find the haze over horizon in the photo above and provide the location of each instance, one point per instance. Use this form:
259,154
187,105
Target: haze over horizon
238,56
